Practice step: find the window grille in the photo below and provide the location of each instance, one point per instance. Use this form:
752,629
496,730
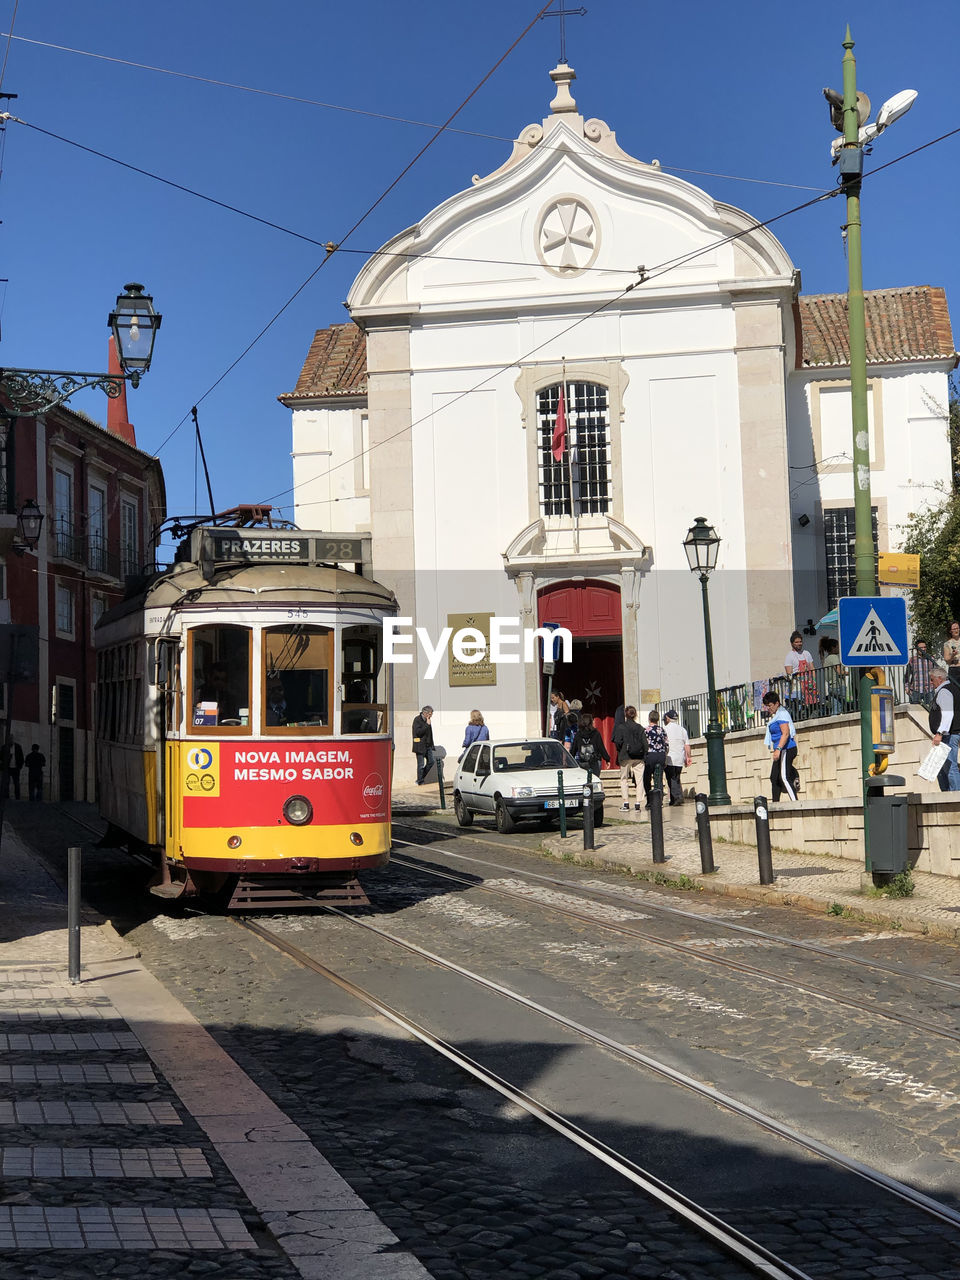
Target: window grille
838,538
585,467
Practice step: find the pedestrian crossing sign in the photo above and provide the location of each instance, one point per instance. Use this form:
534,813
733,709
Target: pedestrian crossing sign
873,631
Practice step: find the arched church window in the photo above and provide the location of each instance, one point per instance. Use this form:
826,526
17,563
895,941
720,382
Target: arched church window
579,481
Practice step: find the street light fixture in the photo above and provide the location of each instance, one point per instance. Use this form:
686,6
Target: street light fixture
29,520
134,322
702,544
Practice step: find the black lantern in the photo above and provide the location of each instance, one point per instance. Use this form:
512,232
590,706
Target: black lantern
701,545
134,324
29,521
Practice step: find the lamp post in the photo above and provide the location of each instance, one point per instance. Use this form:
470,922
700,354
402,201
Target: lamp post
849,113
701,545
134,323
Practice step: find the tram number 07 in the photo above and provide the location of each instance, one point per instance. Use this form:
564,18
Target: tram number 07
341,551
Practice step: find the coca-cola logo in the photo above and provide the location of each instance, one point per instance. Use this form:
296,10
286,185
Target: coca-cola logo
373,788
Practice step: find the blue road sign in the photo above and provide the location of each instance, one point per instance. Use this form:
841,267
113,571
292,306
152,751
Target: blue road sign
873,631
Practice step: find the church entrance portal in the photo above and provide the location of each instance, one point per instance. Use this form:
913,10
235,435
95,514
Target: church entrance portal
591,612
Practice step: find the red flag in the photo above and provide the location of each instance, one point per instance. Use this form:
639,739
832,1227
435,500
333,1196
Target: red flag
560,430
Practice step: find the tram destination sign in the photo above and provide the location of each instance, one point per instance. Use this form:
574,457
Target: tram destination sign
278,546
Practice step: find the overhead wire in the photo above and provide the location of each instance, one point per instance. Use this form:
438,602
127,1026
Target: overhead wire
359,111
10,36
367,212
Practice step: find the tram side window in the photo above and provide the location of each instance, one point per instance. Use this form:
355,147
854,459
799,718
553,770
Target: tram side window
219,666
297,673
365,701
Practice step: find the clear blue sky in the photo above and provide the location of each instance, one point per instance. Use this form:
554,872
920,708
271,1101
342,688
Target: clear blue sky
730,89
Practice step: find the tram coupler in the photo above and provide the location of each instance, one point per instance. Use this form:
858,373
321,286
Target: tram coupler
563,805
588,814
656,816
761,813
704,837
443,798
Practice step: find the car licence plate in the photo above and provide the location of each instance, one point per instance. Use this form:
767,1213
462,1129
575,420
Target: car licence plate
568,803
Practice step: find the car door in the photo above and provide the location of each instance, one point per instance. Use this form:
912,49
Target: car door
466,781
483,795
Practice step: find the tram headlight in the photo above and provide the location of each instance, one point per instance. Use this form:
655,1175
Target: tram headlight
298,811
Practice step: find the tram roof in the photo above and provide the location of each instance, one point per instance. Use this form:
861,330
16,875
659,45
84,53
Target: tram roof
256,585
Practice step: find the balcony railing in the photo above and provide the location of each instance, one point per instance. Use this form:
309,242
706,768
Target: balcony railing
809,695
90,550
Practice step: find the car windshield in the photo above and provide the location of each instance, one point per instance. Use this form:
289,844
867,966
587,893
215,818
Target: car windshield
518,756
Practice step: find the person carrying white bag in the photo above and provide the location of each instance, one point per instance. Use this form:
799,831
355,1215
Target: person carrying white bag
945,727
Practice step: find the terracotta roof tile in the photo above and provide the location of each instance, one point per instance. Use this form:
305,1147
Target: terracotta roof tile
902,324
336,365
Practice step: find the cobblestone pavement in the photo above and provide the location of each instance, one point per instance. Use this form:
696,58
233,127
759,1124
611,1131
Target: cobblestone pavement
473,1188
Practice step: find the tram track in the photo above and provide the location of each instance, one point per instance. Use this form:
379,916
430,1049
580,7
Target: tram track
730,926
757,1257
691,952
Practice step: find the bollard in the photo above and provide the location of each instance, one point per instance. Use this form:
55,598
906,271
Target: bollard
73,914
707,865
762,814
656,815
588,814
443,798
563,805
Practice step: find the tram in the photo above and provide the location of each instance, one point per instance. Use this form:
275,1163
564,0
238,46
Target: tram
244,717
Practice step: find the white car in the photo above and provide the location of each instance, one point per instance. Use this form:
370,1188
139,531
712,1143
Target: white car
521,779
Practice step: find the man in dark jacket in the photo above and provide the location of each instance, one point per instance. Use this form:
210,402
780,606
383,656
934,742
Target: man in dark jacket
631,743
588,749
423,744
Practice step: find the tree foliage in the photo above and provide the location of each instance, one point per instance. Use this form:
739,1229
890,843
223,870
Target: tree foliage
934,535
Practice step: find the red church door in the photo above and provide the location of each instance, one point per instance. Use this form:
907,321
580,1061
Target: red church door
591,612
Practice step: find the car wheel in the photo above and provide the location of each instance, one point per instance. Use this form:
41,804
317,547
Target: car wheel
464,816
598,817
505,823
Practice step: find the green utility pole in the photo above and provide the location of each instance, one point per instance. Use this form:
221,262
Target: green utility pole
851,172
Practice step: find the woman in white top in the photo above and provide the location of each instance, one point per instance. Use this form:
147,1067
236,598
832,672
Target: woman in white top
951,646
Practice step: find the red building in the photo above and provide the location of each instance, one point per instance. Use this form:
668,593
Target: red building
103,500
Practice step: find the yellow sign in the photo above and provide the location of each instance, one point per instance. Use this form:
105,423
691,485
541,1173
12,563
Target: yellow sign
476,627
201,769
898,569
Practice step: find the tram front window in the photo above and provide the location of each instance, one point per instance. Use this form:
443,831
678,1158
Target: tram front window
296,678
220,678
362,710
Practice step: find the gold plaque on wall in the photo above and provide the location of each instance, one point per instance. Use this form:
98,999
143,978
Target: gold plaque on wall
469,674
649,695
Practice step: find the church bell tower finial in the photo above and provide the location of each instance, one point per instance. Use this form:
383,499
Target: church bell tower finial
561,76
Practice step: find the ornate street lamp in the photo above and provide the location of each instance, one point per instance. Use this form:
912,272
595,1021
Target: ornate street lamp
701,545
29,520
134,322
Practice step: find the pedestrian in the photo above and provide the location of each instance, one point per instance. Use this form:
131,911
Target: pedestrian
631,743
781,738
11,762
572,722
951,646
35,760
423,744
561,709
656,752
798,665
678,754
834,674
945,726
917,677
588,749
476,731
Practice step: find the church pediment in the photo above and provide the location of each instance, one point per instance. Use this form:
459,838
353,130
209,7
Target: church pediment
569,210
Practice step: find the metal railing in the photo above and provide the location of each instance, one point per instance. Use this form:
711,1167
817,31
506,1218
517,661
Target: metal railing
71,542
809,695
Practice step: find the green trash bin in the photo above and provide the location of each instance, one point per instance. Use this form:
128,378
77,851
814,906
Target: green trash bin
888,825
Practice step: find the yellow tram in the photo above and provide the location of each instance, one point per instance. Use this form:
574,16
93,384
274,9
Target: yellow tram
244,718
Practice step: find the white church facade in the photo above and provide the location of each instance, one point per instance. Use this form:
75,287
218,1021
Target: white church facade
696,380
